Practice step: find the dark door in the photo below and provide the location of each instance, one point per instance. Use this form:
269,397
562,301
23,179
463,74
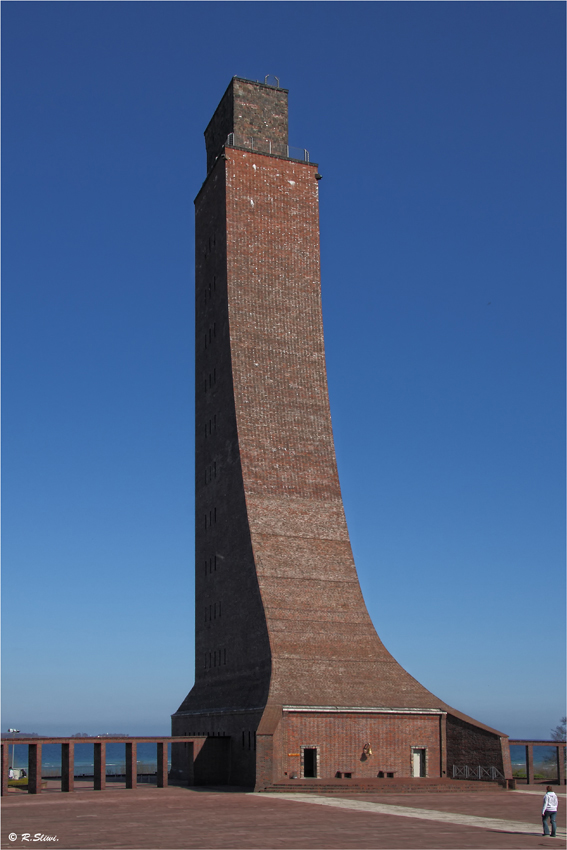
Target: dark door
310,762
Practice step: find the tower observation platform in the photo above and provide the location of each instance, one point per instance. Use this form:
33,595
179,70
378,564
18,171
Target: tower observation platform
289,669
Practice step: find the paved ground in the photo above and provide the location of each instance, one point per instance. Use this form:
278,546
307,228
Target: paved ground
199,819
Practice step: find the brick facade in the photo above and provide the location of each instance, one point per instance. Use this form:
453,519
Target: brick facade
280,618
340,738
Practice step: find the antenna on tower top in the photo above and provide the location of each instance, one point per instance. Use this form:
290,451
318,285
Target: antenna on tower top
277,79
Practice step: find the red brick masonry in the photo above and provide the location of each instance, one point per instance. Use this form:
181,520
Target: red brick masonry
280,621
187,750
180,819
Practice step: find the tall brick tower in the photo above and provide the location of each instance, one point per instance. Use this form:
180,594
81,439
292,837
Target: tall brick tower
289,670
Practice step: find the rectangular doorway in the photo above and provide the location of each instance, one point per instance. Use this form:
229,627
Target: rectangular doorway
310,762
417,761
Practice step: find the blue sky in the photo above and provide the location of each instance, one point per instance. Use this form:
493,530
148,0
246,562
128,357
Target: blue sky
439,132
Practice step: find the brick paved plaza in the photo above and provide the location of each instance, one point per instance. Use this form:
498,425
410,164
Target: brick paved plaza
207,818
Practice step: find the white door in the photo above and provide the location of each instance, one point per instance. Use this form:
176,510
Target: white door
418,762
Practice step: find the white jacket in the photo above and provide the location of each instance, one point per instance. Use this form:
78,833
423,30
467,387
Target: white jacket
549,802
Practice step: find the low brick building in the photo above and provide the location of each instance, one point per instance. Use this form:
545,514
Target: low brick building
289,668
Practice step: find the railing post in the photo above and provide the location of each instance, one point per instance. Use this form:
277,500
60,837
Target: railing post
67,767
162,765
560,765
5,767
34,768
529,764
131,765
99,766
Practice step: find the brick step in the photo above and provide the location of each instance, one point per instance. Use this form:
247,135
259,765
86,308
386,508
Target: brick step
379,786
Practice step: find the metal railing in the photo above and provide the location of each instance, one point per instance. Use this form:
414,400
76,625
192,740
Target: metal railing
478,772
250,143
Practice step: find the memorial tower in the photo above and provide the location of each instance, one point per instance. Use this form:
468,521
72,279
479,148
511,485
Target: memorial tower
289,670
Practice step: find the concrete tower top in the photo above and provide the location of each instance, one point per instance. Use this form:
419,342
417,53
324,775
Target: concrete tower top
250,110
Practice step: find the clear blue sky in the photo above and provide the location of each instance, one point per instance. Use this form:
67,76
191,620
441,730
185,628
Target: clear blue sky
439,132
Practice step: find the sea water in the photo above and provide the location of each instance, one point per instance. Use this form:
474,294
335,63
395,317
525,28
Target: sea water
146,754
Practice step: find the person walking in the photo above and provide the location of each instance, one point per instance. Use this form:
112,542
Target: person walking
549,811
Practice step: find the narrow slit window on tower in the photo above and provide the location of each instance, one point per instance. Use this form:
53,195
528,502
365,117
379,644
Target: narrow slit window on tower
224,660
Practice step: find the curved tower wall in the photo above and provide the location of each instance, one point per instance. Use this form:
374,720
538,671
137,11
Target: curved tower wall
286,653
